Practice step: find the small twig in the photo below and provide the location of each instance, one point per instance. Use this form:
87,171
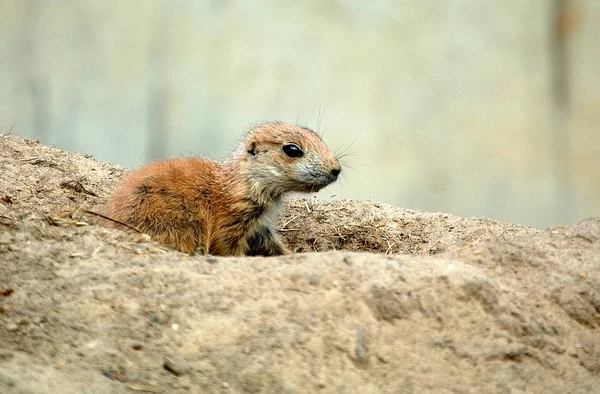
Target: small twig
432,247
10,130
32,160
40,229
307,208
2,217
468,245
77,186
109,219
338,234
289,221
390,246
314,246
95,252
51,221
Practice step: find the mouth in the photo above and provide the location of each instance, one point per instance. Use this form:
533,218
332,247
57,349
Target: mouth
312,188
317,182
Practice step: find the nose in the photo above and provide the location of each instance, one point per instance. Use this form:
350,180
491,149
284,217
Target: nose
336,171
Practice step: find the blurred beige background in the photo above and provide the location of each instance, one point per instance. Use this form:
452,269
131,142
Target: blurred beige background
467,107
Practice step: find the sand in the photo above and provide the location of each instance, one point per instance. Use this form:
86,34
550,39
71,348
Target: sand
377,299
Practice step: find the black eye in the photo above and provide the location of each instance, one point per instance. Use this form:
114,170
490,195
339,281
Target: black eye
292,150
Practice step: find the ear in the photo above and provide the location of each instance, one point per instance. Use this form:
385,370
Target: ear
252,149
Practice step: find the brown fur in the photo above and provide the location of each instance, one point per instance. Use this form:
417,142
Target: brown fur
200,206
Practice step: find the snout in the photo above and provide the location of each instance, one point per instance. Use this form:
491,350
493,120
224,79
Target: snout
336,169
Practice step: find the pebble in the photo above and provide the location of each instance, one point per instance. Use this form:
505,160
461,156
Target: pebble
92,344
4,308
11,327
137,345
159,317
112,352
382,359
173,366
289,387
360,353
5,354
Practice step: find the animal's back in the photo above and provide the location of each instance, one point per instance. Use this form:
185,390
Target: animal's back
170,201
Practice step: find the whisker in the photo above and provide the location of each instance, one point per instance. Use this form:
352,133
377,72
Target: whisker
350,166
343,150
351,154
320,116
298,115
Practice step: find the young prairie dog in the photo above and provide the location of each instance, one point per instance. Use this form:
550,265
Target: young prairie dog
228,209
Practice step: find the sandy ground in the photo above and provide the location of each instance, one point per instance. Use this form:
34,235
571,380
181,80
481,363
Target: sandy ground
378,299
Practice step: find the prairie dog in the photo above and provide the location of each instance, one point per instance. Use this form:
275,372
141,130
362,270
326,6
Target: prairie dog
230,208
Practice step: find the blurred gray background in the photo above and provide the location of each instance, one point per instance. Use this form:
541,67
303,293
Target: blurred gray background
487,107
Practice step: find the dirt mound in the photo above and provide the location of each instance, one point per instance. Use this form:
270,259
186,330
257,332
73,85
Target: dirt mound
439,304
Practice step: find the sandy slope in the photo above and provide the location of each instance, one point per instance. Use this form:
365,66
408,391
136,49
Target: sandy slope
378,299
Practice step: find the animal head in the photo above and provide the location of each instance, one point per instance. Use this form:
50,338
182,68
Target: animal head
279,157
